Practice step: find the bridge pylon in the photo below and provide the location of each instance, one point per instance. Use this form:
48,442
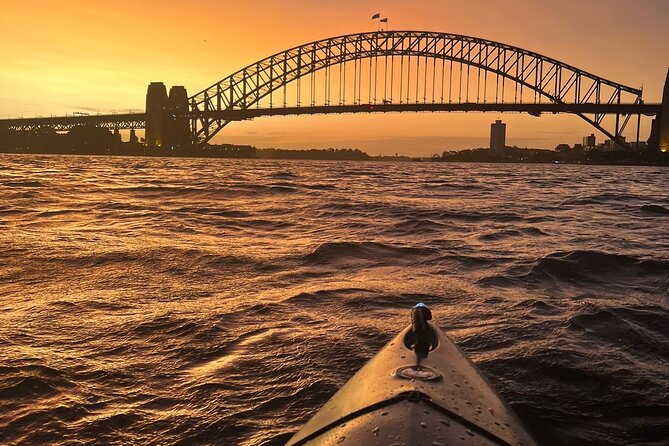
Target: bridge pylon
177,130
167,117
156,106
663,119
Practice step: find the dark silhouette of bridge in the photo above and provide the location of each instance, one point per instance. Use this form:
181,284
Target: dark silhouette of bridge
382,72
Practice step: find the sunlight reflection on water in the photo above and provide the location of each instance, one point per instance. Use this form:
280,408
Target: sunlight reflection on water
186,301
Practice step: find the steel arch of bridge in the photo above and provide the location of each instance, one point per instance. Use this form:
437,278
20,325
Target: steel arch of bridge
550,80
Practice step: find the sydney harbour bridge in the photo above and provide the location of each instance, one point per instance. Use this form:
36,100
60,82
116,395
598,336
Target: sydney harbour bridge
381,72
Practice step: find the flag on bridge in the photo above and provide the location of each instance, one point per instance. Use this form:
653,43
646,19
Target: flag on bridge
376,16
384,20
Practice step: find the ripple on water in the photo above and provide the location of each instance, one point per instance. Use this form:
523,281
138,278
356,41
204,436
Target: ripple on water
185,301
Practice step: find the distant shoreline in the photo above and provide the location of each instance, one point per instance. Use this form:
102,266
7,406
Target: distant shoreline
518,155
511,156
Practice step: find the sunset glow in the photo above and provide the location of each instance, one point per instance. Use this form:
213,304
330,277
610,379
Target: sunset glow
90,56
350,222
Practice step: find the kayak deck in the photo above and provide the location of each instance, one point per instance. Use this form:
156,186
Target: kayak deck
390,402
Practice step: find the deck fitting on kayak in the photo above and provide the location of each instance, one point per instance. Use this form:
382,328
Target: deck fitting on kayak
422,373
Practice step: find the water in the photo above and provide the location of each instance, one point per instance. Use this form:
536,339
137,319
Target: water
188,301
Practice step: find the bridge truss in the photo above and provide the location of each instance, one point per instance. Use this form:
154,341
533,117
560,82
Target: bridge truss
67,123
400,70
390,71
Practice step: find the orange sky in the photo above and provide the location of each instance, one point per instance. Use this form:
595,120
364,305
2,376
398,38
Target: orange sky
99,56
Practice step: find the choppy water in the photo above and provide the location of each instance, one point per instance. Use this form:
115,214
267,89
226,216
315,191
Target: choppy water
187,301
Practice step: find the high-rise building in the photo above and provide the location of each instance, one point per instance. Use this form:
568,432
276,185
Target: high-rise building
611,145
589,142
497,135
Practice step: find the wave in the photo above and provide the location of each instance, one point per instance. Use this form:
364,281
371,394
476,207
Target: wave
161,324
343,252
7,211
455,186
654,209
470,215
120,206
230,213
283,175
509,233
319,186
27,387
56,212
205,191
255,224
467,261
320,298
166,191
416,226
595,264
639,328
601,198
23,184
587,269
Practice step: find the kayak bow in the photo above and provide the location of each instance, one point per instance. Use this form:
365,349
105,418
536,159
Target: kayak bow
394,401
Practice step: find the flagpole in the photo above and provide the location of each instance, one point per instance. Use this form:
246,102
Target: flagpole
377,17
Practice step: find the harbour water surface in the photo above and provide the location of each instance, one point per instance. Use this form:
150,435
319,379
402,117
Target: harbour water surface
197,301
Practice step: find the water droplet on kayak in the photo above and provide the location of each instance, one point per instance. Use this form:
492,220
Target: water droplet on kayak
340,439
383,414
444,422
470,433
437,443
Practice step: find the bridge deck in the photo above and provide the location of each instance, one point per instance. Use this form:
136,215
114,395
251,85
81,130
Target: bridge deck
138,120
63,123
535,109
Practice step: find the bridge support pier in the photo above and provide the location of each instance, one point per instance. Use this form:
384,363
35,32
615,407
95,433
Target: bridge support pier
167,121
177,130
663,119
156,107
